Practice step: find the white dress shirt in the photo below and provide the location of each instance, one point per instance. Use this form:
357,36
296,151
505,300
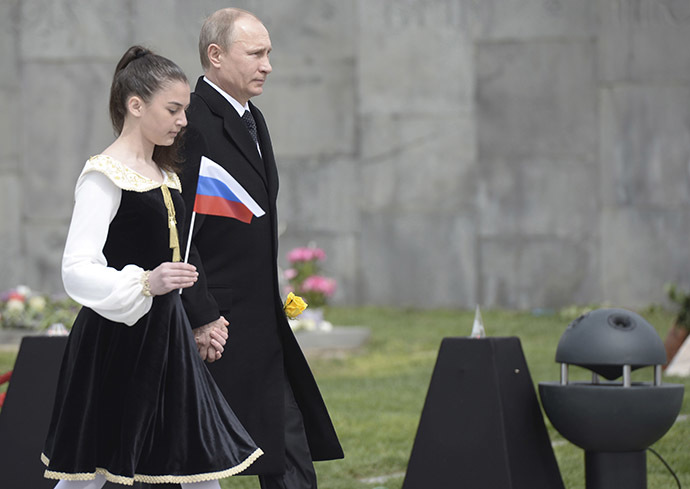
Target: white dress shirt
236,105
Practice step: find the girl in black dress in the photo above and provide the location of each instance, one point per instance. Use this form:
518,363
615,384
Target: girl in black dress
135,401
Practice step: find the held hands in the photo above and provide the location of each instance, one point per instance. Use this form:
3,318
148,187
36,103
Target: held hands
210,339
169,276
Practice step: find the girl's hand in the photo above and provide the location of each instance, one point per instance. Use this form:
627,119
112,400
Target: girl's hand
169,276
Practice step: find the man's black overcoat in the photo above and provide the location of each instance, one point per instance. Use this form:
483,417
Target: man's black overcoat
239,280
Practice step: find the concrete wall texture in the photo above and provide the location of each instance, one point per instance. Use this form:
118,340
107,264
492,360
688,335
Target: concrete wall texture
513,153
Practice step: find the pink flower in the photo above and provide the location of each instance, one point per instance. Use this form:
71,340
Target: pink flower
318,254
298,254
330,287
317,283
290,273
305,253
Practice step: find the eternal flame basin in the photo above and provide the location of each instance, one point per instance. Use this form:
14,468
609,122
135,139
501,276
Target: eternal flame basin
614,422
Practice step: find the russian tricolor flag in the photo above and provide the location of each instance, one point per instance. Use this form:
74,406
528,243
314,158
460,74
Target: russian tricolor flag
219,194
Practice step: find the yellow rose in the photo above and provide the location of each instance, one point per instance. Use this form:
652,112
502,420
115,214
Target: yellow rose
294,305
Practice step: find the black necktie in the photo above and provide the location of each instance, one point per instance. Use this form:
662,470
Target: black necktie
248,120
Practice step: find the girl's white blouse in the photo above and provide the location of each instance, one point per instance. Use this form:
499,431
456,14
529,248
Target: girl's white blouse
114,294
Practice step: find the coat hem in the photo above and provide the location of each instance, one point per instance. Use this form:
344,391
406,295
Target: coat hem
150,479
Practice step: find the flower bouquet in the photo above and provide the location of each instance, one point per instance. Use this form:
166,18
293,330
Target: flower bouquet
23,308
305,279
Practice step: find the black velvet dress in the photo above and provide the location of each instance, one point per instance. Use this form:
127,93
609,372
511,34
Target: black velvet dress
137,403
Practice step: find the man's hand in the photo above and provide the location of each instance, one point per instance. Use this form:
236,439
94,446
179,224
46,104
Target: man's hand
210,339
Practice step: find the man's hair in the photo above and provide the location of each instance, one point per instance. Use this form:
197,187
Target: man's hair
219,28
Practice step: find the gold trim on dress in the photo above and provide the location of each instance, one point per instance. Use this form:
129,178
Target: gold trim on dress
152,479
172,223
126,178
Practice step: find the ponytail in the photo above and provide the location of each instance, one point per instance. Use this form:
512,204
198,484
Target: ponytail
141,73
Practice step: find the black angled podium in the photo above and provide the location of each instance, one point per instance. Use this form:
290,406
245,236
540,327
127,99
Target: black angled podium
25,416
26,413
481,426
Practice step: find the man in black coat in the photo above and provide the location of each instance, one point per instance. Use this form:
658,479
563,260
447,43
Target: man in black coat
262,372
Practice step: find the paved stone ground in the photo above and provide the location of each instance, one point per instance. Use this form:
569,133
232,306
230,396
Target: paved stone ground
337,342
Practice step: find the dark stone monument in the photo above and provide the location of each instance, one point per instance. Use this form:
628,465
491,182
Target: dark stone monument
26,413
482,427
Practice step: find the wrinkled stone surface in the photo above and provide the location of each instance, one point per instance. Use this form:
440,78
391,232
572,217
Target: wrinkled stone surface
522,153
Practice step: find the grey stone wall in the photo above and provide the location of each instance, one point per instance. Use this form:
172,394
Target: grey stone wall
514,153
11,267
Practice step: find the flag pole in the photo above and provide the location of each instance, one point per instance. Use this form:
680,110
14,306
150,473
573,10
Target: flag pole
189,240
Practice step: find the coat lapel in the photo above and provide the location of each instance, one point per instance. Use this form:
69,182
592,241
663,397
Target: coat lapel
271,171
269,162
233,126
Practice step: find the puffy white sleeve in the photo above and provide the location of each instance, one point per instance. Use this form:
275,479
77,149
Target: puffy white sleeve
114,294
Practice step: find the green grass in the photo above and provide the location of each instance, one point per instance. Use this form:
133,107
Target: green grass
6,363
376,395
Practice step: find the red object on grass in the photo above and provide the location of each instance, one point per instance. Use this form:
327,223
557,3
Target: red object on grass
5,377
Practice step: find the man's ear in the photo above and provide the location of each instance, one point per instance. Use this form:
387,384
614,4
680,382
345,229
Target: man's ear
214,52
135,105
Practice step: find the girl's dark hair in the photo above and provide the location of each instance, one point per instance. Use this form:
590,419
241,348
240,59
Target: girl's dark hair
142,73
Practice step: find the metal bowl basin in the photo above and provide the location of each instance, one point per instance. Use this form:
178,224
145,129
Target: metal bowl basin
610,417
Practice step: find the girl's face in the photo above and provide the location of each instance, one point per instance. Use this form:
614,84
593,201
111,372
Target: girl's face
164,116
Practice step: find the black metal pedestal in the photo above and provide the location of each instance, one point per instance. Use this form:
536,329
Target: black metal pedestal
616,470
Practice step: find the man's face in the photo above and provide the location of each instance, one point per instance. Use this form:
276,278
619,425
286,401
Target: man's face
244,66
